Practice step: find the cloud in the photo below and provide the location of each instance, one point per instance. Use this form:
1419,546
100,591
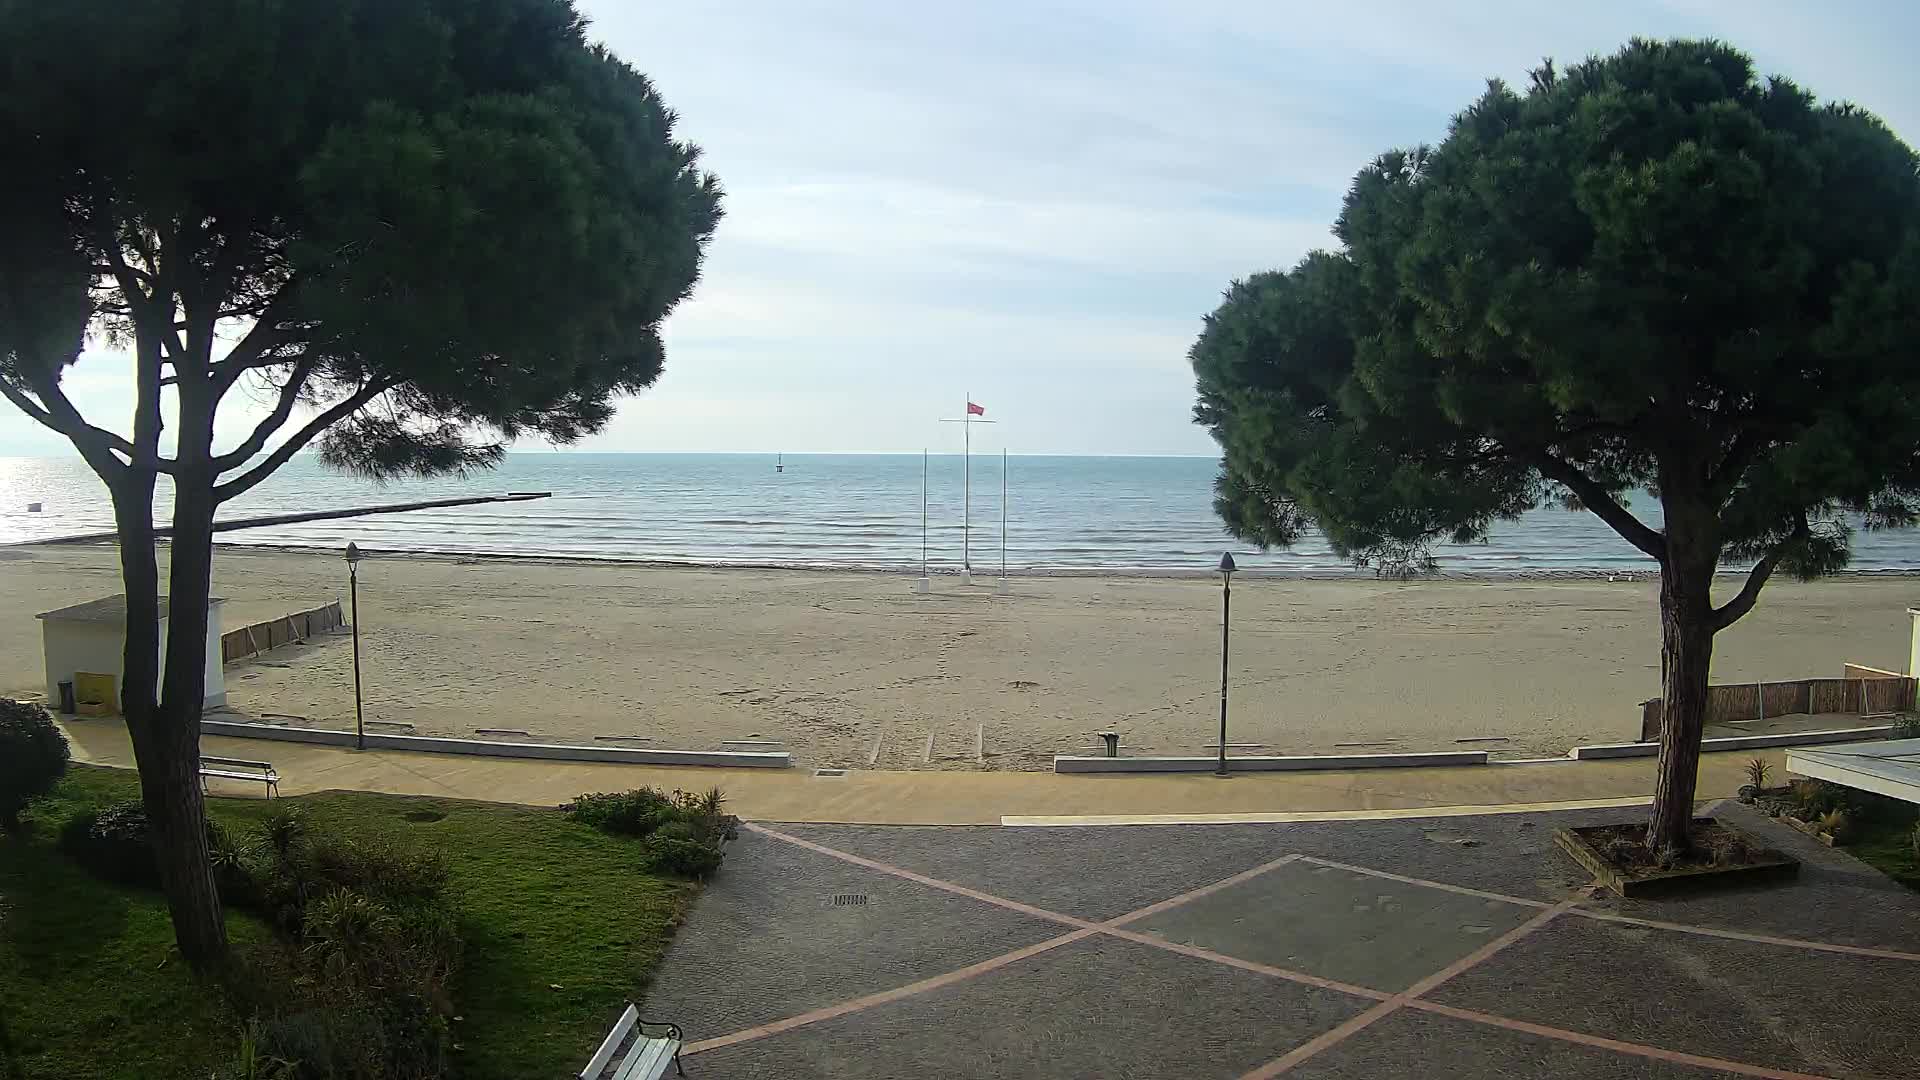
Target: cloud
1035,203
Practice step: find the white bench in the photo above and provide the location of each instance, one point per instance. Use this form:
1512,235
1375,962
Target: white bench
260,772
632,1052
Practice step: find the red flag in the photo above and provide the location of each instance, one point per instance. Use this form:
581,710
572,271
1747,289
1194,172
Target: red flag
976,410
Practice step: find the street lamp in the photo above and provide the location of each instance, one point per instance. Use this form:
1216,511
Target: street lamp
353,592
1226,606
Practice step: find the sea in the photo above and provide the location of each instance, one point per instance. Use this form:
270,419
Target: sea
1149,515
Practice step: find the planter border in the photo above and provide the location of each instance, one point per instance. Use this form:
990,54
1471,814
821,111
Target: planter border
1737,742
1074,764
427,744
1776,866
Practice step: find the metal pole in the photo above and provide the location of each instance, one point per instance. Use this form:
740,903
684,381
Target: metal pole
359,721
966,486
1003,513
923,511
1226,609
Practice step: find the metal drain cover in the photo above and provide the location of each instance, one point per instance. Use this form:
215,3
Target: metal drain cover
829,772
848,900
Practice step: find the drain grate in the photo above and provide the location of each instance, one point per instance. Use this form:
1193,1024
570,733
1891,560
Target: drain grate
829,772
851,899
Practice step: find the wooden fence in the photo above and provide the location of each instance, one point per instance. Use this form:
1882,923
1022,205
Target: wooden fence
1864,691
266,636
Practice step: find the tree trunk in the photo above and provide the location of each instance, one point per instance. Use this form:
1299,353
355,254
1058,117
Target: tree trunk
166,750
1686,661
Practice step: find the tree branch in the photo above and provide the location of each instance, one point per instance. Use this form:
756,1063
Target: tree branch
1602,503
239,485
282,409
1730,612
58,414
1747,446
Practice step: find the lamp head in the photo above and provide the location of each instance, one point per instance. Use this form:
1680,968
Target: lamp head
353,554
1226,564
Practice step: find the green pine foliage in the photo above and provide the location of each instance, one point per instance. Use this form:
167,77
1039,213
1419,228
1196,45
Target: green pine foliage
1653,271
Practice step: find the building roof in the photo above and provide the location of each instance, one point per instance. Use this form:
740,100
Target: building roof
107,609
1890,768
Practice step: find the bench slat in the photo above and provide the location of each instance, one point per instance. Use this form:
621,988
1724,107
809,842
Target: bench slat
611,1043
649,1060
268,765
255,777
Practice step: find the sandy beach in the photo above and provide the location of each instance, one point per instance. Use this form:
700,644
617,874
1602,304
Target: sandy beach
828,663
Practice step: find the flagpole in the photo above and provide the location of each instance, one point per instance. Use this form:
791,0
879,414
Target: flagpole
966,492
925,584
1003,519
965,420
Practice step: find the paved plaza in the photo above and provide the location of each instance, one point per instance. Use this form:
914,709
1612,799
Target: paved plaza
1432,948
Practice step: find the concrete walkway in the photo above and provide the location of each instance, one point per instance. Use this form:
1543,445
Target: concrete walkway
1453,949
953,798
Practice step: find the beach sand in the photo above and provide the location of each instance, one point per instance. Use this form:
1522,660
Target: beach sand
827,663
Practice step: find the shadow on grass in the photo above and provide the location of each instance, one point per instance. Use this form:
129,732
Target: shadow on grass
56,915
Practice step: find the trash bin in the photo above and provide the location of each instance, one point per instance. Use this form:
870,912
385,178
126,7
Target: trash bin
66,696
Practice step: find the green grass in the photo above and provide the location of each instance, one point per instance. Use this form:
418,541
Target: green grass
1887,846
562,927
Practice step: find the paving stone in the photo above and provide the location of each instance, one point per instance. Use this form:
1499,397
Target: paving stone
1095,874
1339,925
765,941
1096,1008
1415,1044
1769,1005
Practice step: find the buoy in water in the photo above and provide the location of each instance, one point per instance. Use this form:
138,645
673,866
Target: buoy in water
33,508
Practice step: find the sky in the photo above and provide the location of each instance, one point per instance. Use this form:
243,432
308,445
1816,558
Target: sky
1033,204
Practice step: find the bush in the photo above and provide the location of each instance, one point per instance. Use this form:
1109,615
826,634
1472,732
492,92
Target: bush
628,813
112,842
33,758
683,831
680,854
363,995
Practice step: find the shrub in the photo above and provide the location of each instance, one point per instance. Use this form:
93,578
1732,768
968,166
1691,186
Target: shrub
111,842
1757,771
1906,725
33,758
363,995
681,854
629,813
1836,824
301,867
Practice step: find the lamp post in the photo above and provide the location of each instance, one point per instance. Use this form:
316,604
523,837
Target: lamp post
353,593
1226,607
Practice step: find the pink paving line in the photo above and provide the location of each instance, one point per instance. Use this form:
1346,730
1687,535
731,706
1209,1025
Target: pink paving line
1586,913
1085,929
1637,1049
1760,939
1441,885
1206,890
935,883
1245,965
1355,1025
1387,1003
884,996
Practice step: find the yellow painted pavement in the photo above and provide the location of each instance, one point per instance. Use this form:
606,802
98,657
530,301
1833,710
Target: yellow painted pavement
948,798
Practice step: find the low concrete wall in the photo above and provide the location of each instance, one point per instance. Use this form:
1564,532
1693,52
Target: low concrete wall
1263,764
426,744
1738,742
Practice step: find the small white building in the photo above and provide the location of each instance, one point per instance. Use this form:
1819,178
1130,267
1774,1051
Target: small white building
91,637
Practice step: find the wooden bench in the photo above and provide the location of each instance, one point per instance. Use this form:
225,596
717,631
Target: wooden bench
260,772
633,1052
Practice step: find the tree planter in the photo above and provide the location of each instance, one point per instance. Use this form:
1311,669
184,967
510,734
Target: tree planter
1759,864
1810,828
